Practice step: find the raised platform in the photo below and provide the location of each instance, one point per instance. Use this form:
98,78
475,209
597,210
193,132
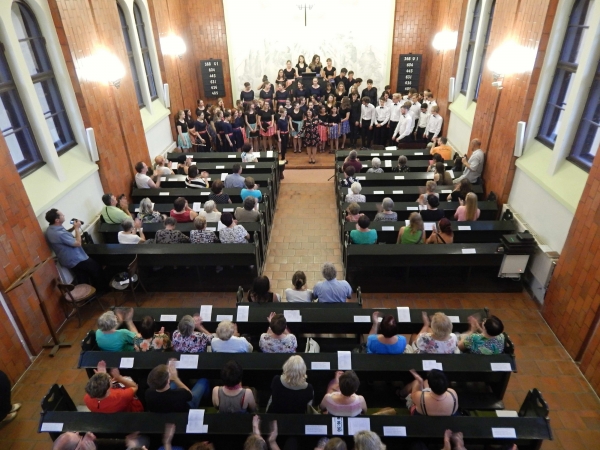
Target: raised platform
300,160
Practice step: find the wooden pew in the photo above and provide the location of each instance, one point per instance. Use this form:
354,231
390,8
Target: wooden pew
403,193
417,166
531,427
489,210
421,154
178,181
390,179
224,157
248,169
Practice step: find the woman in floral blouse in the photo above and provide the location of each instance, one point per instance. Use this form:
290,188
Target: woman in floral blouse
200,235
186,340
170,235
277,339
436,335
149,340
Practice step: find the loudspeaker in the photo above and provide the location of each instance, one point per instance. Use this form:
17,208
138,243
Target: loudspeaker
91,139
520,138
451,90
166,95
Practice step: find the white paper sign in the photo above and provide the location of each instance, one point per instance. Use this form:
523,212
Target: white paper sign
188,362
165,179
223,176
197,206
407,222
388,163
168,318
242,313
211,228
374,154
451,172
189,156
205,313
429,364
163,193
422,207
429,226
397,192
378,192
250,166
464,227
337,426
387,228
219,167
292,315
507,413
221,317
205,193
136,210
173,165
126,363
52,426
319,430
446,191
356,424
393,147
320,365
394,431
227,209
430,175
344,360
361,178
399,177
412,208
269,154
231,156
389,154
501,367
418,153
196,422
504,433
403,313
362,319
454,319
467,251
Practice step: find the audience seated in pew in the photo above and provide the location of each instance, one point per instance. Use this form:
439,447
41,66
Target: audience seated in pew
248,155
290,392
433,213
436,158
143,181
383,338
191,336
248,213
436,336
402,166
432,397
161,166
298,293
235,178
352,160
251,189
232,233
150,340
147,214
444,233
169,235
385,213
355,196
112,339
232,397
195,179
460,191
430,188
166,393
484,338
201,235
375,166
260,292
111,213
331,290
210,212
341,399
278,338
217,194
363,234
413,233
353,212
104,394
228,340
349,177
468,211
181,211
132,233
442,176
444,150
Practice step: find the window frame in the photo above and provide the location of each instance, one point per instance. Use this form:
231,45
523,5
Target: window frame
485,47
470,53
145,50
135,76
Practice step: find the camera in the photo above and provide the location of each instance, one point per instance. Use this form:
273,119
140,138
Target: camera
75,220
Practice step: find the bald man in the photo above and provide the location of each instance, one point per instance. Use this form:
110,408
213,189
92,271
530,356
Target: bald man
474,165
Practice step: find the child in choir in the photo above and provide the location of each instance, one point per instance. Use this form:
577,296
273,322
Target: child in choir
221,104
315,65
183,137
350,81
301,65
405,125
355,113
266,94
340,93
323,128
218,124
201,127
382,117
283,131
200,108
395,113
344,120
266,123
303,105
388,100
334,129
280,77
330,103
251,126
281,95
329,71
247,95
238,129
367,117
342,78
423,119
329,90
315,89
289,73
434,125
415,110
299,91
296,117
370,92
227,132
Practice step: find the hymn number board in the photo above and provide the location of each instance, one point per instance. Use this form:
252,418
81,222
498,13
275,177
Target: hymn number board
409,71
212,77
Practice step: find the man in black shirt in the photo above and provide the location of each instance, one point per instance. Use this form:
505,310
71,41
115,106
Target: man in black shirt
370,92
167,393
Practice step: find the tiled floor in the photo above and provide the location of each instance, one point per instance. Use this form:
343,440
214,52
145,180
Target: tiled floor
305,235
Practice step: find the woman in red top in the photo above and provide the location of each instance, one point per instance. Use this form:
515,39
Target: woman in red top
100,397
181,212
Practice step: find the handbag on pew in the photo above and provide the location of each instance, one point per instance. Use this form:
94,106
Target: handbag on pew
312,346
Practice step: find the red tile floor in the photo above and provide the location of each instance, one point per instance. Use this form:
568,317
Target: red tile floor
304,236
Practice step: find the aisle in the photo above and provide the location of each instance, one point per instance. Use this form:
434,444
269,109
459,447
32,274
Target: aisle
305,230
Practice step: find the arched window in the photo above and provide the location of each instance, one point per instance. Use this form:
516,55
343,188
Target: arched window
139,24
134,72
33,48
14,124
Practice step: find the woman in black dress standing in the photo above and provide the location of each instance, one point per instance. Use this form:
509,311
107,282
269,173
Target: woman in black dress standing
201,127
289,73
247,95
266,94
266,125
252,127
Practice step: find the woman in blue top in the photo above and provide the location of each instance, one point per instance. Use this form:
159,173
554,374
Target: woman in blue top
362,234
111,339
388,342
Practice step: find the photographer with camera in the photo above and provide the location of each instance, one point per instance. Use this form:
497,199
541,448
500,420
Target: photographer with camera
68,249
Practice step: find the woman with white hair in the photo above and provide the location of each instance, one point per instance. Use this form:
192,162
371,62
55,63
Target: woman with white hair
210,212
356,195
385,213
147,214
228,339
111,339
290,393
375,166
132,232
191,336
367,440
436,336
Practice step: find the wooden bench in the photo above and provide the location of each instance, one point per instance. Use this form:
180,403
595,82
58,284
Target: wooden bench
224,157
389,179
419,154
418,166
488,210
402,193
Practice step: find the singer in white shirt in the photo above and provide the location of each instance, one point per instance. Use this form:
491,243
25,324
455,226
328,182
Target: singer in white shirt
395,114
382,117
423,120
404,127
434,124
367,117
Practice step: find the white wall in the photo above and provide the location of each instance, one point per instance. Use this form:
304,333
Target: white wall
159,138
263,36
459,133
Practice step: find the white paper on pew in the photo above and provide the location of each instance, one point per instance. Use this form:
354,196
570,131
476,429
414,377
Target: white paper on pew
393,147
165,179
168,318
196,421
429,364
231,156
320,365
173,165
174,364
269,154
189,156
397,192
222,317
388,163
387,228
242,313
292,315
163,193
227,209
220,226
211,228
52,426
344,360
319,430
446,191
362,319
206,313
501,367
506,413
126,363
394,431
365,164
438,366
197,206
374,154
337,426
378,192
451,172
193,163
361,178
136,210
250,166
422,207
429,226
403,313
205,193
174,179
464,228
399,177
349,191
202,429
356,424
219,167
209,179
418,153
467,251
188,362
412,208
223,176
506,433
430,175
454,319
407,222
